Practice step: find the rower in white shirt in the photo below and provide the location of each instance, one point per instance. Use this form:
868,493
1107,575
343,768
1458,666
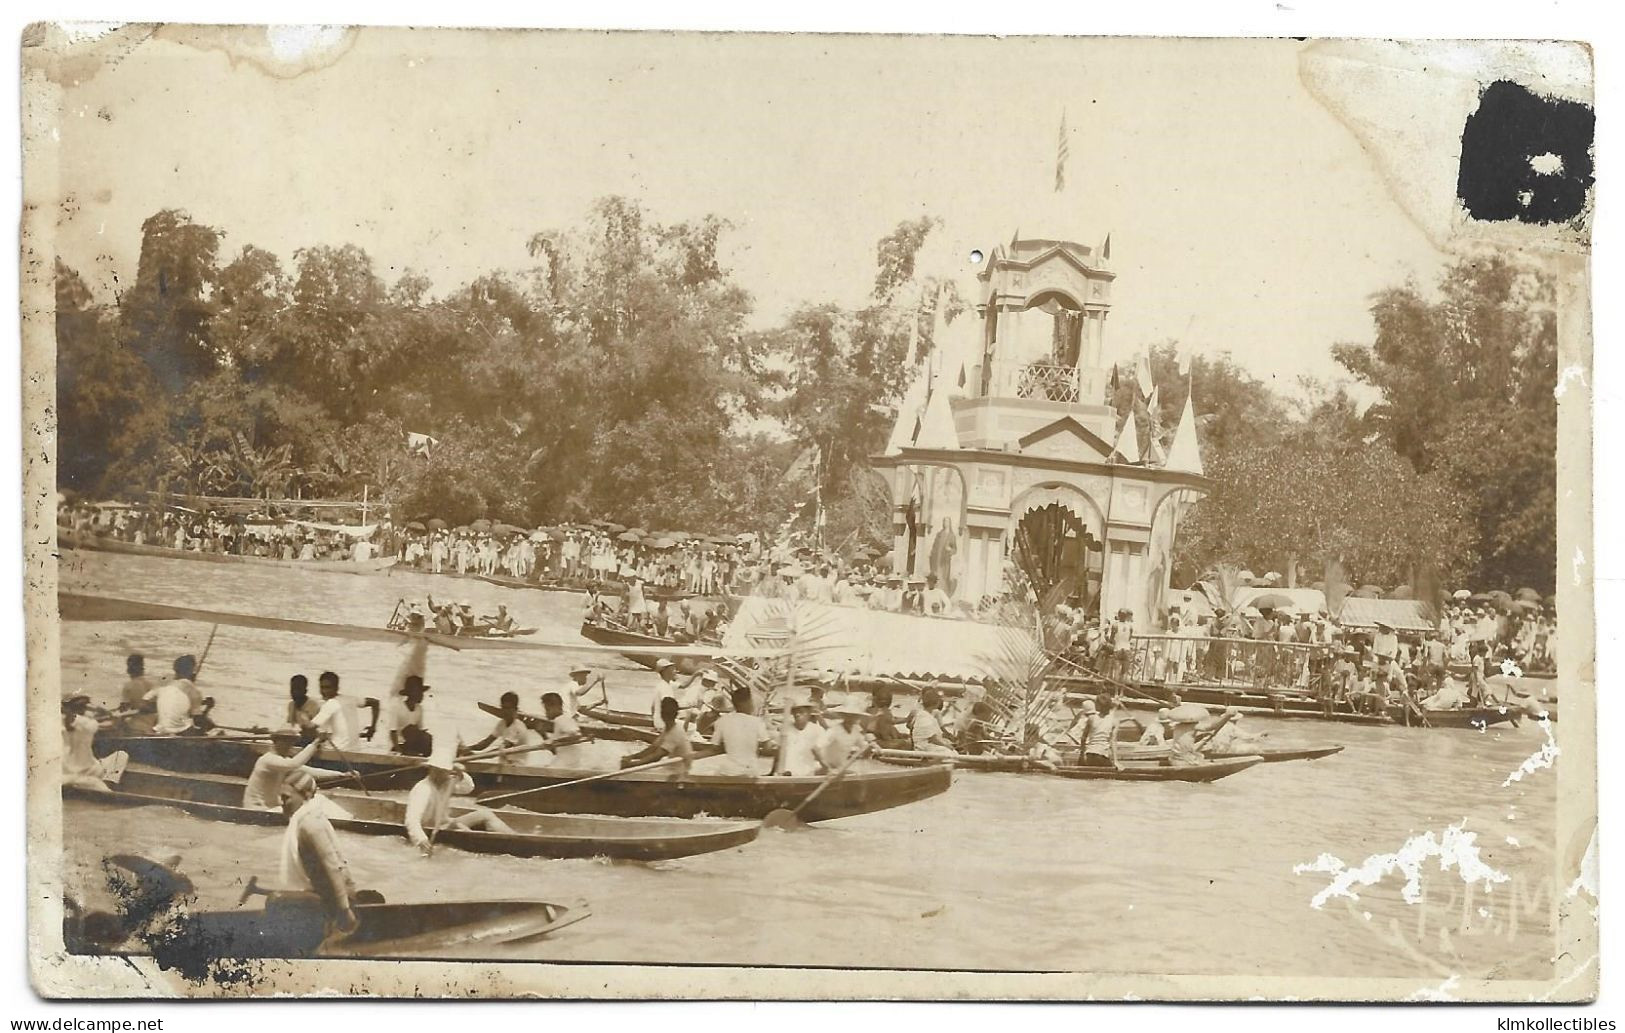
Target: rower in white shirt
740,733
799,754
338,717
575,690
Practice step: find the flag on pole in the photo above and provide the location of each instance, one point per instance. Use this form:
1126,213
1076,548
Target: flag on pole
1142,373
1061,152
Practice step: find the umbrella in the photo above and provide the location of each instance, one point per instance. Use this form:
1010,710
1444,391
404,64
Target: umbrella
1526,605
1501,598
481,524
678,536
416,526
508,529
1481,597
538,535
640,532
662,543
1368,592
628,536
1272,576
1402,592
460,530
437,524
1246,575
611,528
557,534
1272,601
1461,593
1529,594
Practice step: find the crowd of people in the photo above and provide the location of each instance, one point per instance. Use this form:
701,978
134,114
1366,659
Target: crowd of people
1368,666
187,531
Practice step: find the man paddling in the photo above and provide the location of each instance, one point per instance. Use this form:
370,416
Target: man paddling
338,718
402,719
139,716
573,691
799,755
509,730
302,710
80,765
926,733
672,742
272,770
428,805
311,860
182,710
846,738
740,733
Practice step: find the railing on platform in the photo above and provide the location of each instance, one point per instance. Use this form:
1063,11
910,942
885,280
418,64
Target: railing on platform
1047,382
1229,662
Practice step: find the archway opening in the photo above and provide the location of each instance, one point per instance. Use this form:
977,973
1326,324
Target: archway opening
1054,547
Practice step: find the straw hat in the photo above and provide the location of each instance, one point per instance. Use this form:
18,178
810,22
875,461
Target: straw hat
663,663
850,708
581,669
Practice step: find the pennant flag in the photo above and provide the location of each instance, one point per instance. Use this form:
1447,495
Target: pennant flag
1128,441
1106,248
1185,454
1142,373
1062,152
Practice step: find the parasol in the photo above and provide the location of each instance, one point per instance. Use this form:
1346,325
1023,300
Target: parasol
1247,576
1272,601
611,528
1461,593
482,525
628,536
662,543
1402,592
1368,592
437,524
416,526
1529,594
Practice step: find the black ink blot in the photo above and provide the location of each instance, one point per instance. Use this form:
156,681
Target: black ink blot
1500,144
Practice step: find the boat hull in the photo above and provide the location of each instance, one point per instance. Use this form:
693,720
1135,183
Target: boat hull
219,798
658,792
97,543
1207,772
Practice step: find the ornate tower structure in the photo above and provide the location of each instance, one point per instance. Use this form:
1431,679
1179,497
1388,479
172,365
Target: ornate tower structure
1005,449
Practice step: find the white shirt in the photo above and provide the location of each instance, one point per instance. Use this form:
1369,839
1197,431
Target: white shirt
174,708
338,718
740,736
801,750
396,716
427,808
271,770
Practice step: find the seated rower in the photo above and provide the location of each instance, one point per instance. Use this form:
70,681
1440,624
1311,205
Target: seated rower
798,753
501,621
139,716
926,734
741,734
402,719
80,765
272,770
428,806
844,740
883,724
561,736
672,742
302,710
577,689
311,861
182,710
1452,695
509,731
338,718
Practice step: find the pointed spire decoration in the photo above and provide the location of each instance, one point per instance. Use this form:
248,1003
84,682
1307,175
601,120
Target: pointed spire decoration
937,428
1185,453
1128,441
904,431
1154,454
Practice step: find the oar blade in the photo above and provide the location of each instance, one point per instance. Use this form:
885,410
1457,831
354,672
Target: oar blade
783,818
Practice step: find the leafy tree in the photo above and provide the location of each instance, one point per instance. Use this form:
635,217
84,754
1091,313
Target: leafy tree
168,315
1467,394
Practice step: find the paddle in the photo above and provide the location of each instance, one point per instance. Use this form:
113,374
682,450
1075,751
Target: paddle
780,818
419,765
505,797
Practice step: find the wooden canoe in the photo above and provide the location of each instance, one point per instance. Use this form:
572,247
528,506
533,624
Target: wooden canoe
219,797
1138,772
1007,762
1277,755
98,543
659,792
292,925
1478,718
606,636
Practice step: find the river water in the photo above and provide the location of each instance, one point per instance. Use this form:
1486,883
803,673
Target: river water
1003,872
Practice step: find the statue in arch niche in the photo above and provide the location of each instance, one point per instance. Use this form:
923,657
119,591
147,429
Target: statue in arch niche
944,547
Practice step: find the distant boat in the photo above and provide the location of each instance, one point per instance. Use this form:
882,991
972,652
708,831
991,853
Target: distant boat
98,543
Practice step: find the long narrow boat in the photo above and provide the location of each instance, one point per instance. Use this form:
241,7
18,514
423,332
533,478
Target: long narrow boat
659,792
293,926
219,797
1006,762
606,636
1277,755
1133,772
98,543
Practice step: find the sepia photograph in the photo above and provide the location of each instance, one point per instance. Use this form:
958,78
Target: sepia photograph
529,513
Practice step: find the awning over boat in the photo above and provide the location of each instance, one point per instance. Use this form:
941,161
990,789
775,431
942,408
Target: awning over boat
873,643
1399,614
